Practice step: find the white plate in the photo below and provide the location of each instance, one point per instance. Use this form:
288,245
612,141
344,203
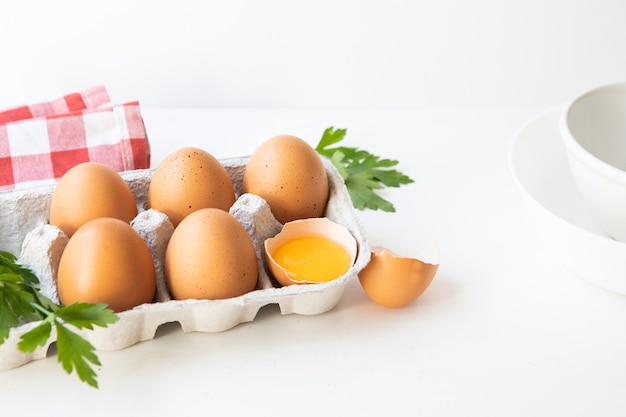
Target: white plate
539,166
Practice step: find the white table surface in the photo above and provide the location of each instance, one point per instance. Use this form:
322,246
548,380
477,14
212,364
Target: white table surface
503,330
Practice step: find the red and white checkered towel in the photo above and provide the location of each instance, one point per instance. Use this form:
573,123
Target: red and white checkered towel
40,142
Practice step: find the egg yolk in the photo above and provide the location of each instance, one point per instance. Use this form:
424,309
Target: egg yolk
312,258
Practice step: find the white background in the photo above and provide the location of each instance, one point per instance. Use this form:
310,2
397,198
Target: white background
504,330
324,53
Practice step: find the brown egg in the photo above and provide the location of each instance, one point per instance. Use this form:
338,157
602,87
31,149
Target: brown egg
187,180
88,191
287,173
394,281
210,256
106,261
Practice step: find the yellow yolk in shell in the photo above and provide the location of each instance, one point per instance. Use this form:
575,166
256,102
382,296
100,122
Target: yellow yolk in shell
312,258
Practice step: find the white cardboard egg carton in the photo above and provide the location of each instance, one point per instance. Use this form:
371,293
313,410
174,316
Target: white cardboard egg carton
25,232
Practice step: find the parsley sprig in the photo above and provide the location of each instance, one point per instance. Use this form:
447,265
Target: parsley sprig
20,300
362,172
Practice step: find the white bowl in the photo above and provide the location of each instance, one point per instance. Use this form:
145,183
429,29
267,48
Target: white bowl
569,232
593,129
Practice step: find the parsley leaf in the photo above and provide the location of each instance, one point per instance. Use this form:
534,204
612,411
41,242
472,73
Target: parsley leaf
87,315
38,336
363,173
74,352
9,261
21,300
17,295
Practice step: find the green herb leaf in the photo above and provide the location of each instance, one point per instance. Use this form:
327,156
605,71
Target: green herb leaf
75,353
35,337
330,137
20,299
17,296
363,197
362,172
87,315
9,261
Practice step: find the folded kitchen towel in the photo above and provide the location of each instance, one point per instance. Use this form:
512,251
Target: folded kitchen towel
40,142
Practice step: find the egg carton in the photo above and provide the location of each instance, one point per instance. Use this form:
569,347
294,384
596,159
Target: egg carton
25,232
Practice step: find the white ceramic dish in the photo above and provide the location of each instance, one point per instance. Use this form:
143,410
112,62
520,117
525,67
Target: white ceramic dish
593,129
540,168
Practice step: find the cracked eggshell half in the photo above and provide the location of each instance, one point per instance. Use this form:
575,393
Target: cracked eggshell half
394,281
328,257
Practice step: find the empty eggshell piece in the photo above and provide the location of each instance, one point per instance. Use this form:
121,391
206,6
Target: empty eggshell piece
324,251
88,191
287,173
393,281
187,180
106,261
210,256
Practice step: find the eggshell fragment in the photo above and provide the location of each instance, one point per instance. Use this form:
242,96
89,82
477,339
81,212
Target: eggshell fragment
393,281
320,226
